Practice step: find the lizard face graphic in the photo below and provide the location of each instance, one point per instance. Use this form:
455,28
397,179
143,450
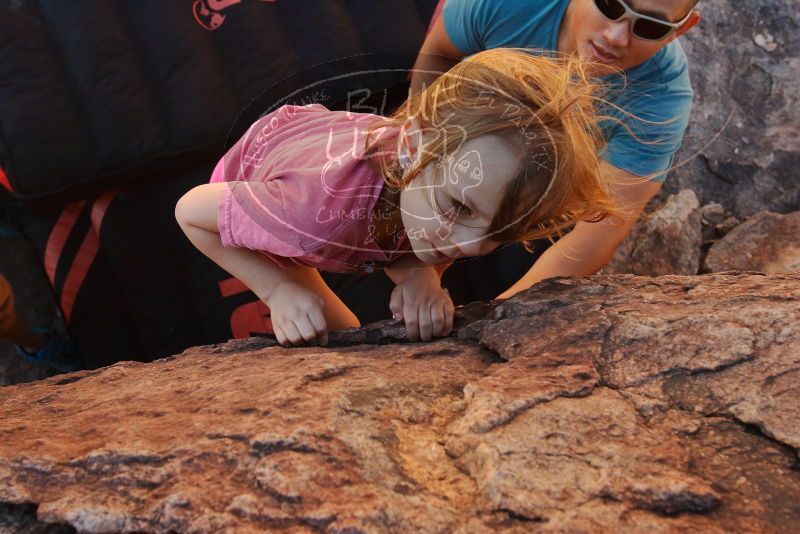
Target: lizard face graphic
464,174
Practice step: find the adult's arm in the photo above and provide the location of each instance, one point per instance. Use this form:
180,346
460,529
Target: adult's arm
437,55
590,246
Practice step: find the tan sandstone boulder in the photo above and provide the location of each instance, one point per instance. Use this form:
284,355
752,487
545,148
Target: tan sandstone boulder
767,242
610,404
664,241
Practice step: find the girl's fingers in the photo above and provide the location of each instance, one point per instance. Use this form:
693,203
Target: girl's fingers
437,319
317,320
425,326
306,329
279,335
396,304
449,313
411,317
292,334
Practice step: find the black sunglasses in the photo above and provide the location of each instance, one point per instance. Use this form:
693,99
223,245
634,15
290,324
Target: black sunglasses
642,26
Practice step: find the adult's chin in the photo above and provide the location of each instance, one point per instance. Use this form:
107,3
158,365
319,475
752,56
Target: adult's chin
599,66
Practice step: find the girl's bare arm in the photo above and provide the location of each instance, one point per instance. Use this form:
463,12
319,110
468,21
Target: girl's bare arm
196,213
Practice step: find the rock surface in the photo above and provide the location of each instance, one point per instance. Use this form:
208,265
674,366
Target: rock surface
611,403
743,58
716,222
767,242
666,241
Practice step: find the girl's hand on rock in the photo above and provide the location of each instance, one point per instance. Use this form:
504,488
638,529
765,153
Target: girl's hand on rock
297,316
426,308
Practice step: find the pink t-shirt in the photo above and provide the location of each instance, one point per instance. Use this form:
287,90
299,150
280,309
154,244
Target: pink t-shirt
302,191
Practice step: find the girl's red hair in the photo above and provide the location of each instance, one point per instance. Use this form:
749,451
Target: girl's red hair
544,104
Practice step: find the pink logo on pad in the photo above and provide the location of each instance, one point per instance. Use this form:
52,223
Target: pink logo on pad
208,13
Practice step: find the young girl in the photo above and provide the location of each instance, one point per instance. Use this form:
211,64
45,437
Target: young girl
502,148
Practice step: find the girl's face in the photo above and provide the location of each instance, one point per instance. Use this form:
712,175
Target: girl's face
448,209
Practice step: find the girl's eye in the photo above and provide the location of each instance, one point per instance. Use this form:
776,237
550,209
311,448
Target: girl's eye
450,208
477,174
460,208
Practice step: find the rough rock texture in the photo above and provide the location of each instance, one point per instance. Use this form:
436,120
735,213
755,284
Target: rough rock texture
666,241
744,59
716,222
612,403
767,242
